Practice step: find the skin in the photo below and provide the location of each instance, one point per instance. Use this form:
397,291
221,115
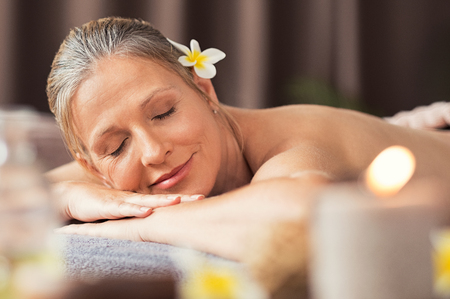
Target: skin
156,124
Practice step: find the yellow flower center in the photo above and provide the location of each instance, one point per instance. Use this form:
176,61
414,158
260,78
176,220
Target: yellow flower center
220,285
212,283
441,257
198,58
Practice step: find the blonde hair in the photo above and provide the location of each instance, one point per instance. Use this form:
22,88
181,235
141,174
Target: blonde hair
85,46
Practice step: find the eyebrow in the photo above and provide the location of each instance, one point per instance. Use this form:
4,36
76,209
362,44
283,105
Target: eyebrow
141,107
152,95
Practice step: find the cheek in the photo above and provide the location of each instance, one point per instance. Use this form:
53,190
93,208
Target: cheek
197,128
206,133
122,175
188,127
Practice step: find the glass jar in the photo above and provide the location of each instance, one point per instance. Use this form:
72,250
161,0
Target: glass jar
29,262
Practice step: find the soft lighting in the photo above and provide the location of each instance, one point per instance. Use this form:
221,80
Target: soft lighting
390,171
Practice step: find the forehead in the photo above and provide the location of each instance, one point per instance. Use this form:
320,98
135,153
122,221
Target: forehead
118,76
116,83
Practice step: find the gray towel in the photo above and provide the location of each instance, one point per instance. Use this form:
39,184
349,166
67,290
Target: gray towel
89,258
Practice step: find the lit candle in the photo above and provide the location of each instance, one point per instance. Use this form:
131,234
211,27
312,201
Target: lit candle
390,171
374,244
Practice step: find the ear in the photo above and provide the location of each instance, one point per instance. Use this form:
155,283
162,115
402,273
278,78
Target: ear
206,86
92,170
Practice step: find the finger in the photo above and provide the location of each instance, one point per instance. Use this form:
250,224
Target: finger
183,197
162,200
154,201
195,197
115,210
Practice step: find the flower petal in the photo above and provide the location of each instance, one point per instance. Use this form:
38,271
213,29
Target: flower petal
185,61
180,47
195,46
206,70
214,55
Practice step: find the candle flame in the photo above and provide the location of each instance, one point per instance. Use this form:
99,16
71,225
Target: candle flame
390,171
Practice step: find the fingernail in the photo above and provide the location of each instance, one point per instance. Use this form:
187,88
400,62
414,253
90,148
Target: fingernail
172,197
145,209
197,196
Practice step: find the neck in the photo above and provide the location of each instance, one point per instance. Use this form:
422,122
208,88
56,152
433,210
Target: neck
234,171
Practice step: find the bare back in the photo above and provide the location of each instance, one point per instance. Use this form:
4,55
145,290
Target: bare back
339,142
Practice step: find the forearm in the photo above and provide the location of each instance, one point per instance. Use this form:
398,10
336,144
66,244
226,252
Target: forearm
224,225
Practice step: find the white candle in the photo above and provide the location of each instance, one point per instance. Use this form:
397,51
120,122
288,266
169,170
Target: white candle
367,247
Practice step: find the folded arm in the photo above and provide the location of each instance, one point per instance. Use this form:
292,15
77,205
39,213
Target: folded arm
221,225
225,224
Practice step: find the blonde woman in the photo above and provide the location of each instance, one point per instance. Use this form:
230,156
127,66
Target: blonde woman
160,156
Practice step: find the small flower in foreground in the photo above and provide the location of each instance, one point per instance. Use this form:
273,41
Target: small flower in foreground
209,282
201,61
212,278
441,257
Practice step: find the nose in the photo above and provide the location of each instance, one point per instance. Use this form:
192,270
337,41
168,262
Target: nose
154,149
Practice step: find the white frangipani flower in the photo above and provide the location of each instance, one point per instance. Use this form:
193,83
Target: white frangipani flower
211,278
201,61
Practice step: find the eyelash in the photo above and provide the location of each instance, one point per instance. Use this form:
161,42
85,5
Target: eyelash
119,150
121,147
166,114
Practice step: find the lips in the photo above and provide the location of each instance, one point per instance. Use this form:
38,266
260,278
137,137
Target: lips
172,178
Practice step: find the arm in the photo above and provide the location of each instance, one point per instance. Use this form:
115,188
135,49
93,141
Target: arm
225,225
222,225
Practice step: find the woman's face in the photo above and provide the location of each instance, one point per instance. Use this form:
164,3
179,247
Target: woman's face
146,130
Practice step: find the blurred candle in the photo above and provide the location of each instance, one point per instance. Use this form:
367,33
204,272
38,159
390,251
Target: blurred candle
390,171
374,244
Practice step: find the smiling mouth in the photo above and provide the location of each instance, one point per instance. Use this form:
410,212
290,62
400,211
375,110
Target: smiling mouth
169,180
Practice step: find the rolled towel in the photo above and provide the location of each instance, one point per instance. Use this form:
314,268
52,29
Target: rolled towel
434,116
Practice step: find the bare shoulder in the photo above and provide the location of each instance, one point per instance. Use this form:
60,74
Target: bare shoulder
290,138
339,142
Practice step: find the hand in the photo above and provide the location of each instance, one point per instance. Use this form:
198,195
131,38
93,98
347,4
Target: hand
89,202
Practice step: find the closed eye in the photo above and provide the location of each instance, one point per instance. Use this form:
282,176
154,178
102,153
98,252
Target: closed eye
120,149
165,114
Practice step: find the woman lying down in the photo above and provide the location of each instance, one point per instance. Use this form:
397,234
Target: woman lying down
160,157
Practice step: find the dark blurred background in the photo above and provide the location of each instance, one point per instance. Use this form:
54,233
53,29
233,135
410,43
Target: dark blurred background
379,56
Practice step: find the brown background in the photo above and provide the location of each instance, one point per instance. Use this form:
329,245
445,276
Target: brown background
386,55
